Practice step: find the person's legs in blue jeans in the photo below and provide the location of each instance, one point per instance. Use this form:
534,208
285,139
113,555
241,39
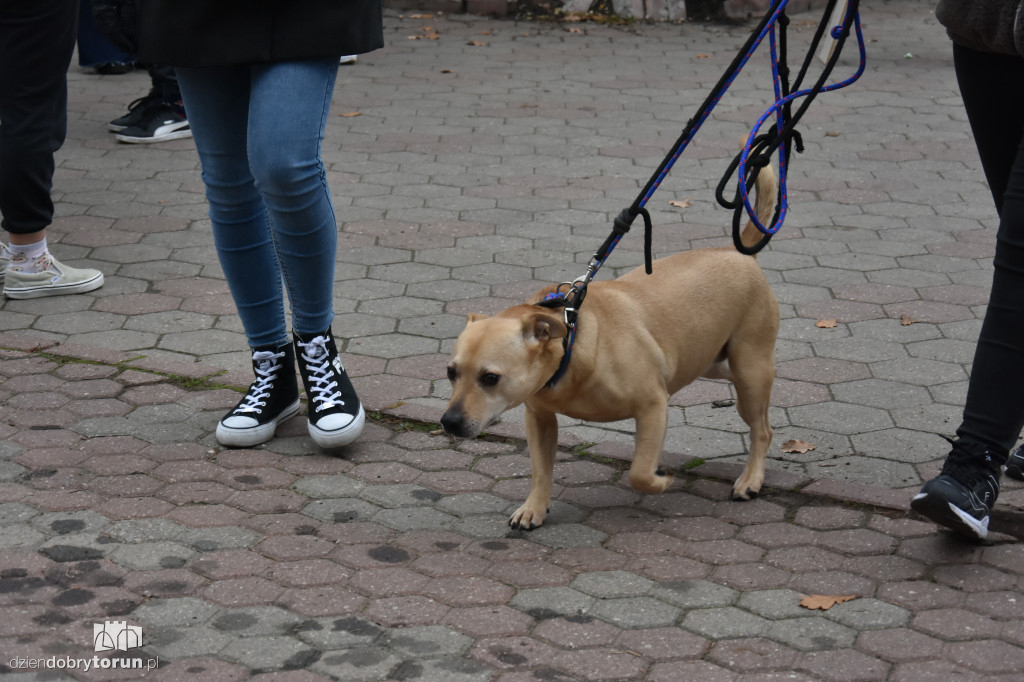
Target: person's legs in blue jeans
259,131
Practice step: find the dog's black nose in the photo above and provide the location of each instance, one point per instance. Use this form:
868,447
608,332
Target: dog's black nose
452,423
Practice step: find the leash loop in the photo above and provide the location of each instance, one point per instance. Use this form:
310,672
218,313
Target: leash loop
786,121
755,155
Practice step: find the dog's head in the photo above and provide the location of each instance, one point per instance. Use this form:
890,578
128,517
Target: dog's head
498,363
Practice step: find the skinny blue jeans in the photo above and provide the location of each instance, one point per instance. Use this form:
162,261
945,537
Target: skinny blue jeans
259,130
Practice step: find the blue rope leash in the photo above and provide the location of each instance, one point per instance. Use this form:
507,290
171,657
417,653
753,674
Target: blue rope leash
767,26
783,130
781,102
760,146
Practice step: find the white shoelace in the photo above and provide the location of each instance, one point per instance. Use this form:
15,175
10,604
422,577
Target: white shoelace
266,371
318,365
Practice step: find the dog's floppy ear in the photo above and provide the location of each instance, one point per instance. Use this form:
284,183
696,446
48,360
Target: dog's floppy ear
542,327
474,317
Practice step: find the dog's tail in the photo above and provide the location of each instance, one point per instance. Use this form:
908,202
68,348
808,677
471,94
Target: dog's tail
765,189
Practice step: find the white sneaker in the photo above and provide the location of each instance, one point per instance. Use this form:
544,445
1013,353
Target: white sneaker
5,260
348,59
53,279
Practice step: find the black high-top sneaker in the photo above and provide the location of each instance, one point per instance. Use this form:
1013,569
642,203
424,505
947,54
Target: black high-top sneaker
961,497
335,415
271,398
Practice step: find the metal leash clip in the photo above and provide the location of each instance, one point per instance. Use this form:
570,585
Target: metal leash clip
573,298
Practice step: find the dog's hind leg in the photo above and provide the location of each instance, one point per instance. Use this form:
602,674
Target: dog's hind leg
753,382
644,474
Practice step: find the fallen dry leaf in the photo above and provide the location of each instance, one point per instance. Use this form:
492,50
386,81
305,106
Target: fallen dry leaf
797,446
421,16
703,56
906,320
831,133
350,114
573,29
447,71
476,43
827,324
824,602
685,203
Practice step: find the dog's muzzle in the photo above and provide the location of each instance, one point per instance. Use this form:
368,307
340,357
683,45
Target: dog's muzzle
454,424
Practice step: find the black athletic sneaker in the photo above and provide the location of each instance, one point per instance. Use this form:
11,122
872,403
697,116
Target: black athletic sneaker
115,68
335,415
1015,464
159,123
272,398
137,110
963,494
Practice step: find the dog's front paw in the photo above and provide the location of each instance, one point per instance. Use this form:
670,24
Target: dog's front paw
651,484
527,518
746,487
743,495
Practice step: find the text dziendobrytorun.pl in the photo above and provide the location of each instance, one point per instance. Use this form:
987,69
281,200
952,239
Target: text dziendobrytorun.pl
83,664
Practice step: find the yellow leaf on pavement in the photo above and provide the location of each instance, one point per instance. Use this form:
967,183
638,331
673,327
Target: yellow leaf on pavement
824,602
797,446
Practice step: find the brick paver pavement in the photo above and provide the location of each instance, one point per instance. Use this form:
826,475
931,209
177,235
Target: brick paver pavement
392,560
487,158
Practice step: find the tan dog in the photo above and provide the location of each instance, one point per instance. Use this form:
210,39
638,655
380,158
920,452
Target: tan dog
640,338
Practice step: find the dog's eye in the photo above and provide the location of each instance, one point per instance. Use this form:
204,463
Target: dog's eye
451,374
489,379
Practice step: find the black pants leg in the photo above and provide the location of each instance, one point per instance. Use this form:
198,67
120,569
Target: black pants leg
993,92
165,84
37,39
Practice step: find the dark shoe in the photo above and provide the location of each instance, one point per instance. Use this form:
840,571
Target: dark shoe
963,494
115,68
137,110
160,123
271,399
335,415
1015,464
